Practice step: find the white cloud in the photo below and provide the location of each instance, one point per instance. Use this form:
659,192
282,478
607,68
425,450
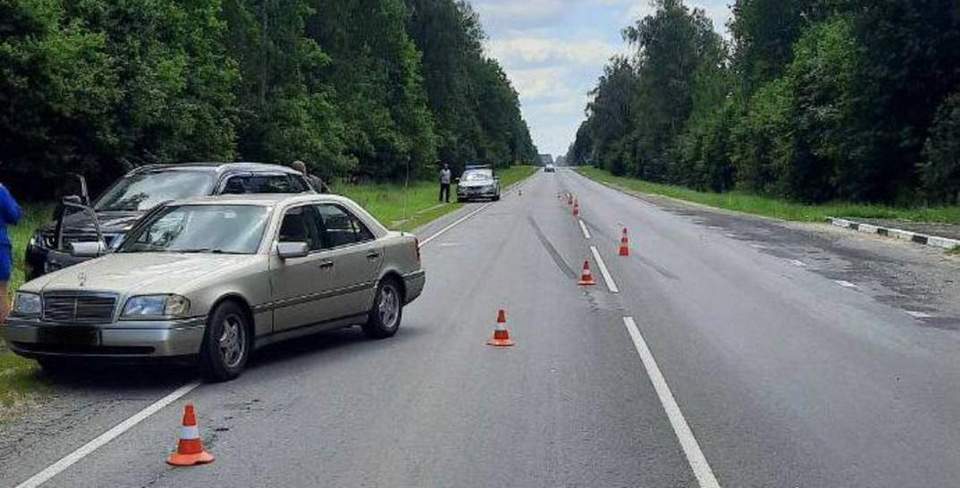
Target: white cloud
524,50
553,51
539,83
514,10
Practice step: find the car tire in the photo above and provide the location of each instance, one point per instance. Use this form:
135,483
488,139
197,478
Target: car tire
226,343
387,311
496,197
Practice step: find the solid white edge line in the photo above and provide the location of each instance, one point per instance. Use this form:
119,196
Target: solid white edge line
88,448
459,221
691,448
586,233
604,271
454,224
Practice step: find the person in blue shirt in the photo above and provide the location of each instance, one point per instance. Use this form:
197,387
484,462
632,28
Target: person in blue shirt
9,215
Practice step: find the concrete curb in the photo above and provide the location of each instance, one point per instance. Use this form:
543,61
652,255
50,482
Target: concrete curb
927,240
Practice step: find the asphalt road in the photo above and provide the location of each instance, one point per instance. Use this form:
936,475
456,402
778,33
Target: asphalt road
784,376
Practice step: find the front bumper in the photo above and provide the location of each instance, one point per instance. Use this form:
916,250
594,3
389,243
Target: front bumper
466,193
413,285
120,340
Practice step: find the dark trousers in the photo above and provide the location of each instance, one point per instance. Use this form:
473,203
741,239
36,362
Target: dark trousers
445,192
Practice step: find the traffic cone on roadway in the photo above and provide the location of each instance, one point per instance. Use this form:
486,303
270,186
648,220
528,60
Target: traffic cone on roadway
576,208
190,447
501,336
586,277
624,244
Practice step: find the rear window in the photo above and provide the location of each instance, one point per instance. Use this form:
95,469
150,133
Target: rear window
244,184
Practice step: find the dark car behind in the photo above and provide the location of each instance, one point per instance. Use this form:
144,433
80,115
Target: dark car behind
142,189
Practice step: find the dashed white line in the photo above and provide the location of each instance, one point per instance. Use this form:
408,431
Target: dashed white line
607,278
86,449
691,448
799,263
845,284
586,233
918,315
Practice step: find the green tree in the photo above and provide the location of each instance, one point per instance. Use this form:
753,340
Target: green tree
940,170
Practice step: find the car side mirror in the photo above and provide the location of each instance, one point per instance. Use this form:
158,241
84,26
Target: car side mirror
291,250
90,249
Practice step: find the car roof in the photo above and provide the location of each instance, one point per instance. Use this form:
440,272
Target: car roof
261,199
217,167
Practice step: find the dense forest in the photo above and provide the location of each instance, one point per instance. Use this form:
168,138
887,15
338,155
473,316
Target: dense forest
369,88
811,100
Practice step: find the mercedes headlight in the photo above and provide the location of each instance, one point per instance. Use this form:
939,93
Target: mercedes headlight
155,306
27,304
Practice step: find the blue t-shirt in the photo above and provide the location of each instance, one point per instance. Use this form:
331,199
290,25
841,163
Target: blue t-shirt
9,214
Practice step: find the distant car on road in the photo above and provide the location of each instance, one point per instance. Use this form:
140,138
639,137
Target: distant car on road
478,182
211,279
140,190
549,168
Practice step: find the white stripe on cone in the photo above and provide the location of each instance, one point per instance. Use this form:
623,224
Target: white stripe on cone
189,432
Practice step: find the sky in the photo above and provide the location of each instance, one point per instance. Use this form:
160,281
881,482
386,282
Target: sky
554,51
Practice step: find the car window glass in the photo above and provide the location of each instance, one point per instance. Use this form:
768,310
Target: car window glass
144,191
300,225
298,184
477,175
263,184
200,228
340,227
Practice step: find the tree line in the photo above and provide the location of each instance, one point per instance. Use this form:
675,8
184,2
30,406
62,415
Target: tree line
372,88
811,100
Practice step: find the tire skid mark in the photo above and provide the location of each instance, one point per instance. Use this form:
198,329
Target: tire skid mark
552,251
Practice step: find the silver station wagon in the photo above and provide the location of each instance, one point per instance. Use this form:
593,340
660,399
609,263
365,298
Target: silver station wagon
214,278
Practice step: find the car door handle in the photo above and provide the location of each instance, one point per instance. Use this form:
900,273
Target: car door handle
325,264
373,255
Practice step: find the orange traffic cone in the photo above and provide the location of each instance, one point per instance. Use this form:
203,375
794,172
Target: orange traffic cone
501,336
576,208
586,278
190,447
624,244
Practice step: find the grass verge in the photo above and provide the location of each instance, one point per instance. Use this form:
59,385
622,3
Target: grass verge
20,384
777,208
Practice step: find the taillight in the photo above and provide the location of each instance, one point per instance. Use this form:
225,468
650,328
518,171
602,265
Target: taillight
416,244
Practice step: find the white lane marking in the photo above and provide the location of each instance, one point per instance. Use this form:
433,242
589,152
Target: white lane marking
797,262
918,315
604,271
586,233
454,224
698,463
471,214
845,284
88,448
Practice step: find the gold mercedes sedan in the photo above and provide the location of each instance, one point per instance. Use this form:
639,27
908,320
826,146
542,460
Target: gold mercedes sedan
212,279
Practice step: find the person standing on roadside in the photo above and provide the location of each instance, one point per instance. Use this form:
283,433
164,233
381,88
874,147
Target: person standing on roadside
315,181
445,183
9,215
